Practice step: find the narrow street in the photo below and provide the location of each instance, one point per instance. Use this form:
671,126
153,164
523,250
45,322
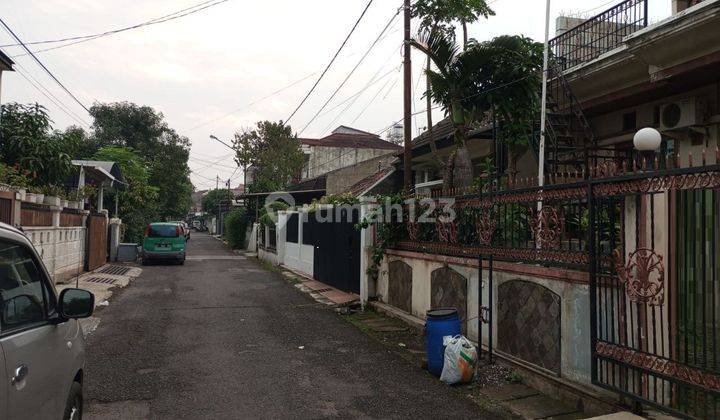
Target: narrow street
220,337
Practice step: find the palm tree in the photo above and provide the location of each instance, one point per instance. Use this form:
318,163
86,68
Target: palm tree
499,75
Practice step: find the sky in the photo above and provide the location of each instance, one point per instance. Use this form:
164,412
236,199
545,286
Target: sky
222,69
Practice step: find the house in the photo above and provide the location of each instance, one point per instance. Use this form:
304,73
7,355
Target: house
344,147
604,281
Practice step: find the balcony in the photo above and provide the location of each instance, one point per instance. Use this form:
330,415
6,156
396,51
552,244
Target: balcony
599,34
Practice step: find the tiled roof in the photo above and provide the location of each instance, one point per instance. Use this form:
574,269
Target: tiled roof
361,140
361,186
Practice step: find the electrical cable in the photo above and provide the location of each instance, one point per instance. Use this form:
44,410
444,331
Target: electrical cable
40,63
287,120
85,38
353,70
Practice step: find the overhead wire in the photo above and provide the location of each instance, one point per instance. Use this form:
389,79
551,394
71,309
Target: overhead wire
287,120
385,28
40,63
85,38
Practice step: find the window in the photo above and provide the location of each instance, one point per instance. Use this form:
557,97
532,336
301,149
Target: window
22,293
163,231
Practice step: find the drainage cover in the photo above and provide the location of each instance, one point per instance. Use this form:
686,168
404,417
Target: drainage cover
103,280
117,270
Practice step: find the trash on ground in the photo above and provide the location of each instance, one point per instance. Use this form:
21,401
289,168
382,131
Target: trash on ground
460,360
104,303
301,347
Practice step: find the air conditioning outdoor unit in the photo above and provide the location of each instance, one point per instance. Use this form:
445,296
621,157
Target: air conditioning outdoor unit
680,114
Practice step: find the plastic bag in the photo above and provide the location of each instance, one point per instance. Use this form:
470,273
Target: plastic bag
460,360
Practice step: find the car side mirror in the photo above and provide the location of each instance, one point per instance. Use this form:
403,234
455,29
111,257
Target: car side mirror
76,303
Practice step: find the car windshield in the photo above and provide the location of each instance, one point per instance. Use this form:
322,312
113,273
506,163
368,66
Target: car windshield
163,231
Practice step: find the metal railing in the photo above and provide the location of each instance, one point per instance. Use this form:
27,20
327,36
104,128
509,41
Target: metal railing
599,34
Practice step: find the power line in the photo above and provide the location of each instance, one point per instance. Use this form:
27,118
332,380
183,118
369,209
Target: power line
371,101
372,81
85,38
353,70
330,63
40,63
49,95
251,103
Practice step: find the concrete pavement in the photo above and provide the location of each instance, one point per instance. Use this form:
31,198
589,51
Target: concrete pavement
220,337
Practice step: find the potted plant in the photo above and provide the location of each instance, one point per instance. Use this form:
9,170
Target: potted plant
52,195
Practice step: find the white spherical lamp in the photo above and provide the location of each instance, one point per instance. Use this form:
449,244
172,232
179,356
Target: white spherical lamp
647,139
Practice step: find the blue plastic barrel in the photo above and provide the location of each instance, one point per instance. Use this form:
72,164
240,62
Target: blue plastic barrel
440,322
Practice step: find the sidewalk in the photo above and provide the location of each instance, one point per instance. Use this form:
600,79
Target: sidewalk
100,283
321,292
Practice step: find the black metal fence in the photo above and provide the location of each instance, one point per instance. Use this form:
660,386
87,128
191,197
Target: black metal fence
599,34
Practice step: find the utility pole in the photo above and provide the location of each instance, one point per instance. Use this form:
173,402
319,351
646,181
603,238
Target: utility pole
407,101
217,219
543,104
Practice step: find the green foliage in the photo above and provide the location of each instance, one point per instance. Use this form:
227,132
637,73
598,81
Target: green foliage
11,175
29,145
343,198
439,15
268,213
164,151
273,151
212,198
138,204
387,231
235,228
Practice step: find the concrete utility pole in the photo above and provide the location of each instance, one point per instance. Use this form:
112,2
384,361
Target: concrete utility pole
543,100
407,102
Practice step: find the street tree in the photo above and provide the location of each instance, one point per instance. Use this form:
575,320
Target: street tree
439,16
166,153
273,151
211,200
501,75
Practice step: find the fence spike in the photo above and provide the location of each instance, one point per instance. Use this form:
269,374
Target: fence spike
656,163
690,159
717,155
677,160
702,156
624,166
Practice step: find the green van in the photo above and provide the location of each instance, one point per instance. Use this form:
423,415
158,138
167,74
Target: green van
163,241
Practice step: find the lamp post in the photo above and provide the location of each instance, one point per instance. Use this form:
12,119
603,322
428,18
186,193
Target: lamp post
647,141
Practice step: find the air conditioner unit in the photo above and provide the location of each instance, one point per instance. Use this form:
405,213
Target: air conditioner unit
681,114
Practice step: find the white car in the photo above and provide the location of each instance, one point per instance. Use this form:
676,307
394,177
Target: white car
43,350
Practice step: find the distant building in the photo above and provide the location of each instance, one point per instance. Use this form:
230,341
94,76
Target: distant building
344,147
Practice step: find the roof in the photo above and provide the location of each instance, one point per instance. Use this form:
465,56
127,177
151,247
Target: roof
103,169
351,138
445,129
312,184
365,184
6,62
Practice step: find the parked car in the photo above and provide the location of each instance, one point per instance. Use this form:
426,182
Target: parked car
164,241
42,361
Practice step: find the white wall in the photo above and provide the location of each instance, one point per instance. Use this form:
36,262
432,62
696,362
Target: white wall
62,249
296,256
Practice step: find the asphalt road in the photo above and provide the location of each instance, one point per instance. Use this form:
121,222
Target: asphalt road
220,337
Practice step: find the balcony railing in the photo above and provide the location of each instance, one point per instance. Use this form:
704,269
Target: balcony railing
599,34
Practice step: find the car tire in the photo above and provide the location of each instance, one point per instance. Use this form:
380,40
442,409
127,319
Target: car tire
182,262
74,404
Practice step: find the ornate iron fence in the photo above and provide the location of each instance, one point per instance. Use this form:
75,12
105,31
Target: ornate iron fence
645,229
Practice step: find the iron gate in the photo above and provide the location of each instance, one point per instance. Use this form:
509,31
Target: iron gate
655,298
336,260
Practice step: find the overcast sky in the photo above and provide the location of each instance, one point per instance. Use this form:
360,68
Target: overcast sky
206,72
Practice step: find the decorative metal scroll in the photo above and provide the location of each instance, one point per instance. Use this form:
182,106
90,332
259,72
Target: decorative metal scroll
413,228
485,225
547,226
658,365
643,275
447,231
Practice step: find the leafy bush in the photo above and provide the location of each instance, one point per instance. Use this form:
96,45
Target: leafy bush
235,228
12,176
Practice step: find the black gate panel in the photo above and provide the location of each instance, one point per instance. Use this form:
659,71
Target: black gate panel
336,260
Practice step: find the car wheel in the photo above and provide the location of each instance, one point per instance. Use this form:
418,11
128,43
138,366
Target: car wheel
74,404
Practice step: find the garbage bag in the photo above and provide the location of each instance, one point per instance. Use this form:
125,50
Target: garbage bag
460,360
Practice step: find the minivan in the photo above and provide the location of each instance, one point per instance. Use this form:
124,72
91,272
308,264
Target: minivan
163,241
42,348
